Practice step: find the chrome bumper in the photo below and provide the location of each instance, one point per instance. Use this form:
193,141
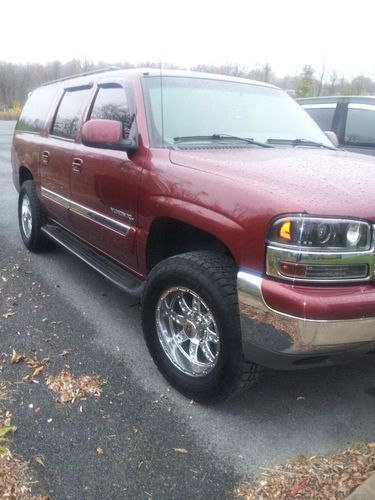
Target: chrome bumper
269,330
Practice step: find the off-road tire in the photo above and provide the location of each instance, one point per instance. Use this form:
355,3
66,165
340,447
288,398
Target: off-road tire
213,277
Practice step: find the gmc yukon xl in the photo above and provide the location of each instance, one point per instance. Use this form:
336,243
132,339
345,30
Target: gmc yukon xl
219,203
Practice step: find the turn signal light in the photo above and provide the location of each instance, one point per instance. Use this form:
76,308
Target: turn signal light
285,231
293,270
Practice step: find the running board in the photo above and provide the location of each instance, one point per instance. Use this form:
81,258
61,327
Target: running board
122,278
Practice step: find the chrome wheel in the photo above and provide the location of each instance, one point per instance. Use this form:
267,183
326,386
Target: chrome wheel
187,331
26,216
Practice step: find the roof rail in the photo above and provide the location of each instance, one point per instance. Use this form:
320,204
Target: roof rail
85,73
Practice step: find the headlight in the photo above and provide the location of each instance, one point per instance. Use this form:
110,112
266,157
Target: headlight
319,249
321,234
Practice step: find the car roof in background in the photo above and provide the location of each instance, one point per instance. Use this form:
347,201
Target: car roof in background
342,98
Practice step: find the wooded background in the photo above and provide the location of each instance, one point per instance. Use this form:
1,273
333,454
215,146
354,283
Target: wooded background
17,80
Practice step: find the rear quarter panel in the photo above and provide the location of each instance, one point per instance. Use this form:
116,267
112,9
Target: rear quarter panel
26,148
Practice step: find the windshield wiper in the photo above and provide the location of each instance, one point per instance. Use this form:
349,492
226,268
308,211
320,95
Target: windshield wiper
220,137
300,142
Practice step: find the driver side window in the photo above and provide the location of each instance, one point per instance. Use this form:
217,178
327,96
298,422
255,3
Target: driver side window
111,104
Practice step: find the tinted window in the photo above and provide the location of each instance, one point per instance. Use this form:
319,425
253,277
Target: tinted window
69,113
36,109
322,116
360,124
205,107
111,104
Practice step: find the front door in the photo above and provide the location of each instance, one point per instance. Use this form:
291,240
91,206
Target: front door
104,188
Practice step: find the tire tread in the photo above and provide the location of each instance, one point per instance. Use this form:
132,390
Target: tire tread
222,272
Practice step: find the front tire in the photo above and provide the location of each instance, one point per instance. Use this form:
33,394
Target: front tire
30,218
191,324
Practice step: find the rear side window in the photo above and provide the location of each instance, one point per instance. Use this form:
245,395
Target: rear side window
360,124
69,113
35,112
322,115
111,104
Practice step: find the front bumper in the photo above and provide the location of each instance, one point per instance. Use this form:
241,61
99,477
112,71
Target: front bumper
279,339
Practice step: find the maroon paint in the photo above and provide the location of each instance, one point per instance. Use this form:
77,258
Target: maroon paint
232,194
101,132
320,302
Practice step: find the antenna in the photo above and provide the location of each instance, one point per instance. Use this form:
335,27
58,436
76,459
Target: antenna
161,102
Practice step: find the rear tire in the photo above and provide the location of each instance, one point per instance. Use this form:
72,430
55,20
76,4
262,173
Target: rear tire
30,218
191,324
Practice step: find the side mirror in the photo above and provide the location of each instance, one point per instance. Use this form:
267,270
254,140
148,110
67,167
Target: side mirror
107,134
333,138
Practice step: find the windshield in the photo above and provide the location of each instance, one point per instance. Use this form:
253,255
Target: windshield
202,107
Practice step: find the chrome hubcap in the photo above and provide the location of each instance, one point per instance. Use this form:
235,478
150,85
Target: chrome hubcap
187,331
26,216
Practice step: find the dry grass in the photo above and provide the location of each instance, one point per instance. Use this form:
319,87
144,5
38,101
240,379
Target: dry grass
315,478
69,388
11,113
4,391
15,480
6,419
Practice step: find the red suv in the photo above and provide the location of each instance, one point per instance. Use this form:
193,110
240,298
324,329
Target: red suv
220,204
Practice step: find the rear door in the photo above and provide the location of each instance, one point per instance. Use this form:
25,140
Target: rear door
359,133
58,153
104,190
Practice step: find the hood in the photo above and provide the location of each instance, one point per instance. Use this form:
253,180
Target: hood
311,180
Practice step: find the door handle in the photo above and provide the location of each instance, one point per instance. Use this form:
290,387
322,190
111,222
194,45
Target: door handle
45,157
77,164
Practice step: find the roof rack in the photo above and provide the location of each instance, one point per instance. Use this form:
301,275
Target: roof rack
86,73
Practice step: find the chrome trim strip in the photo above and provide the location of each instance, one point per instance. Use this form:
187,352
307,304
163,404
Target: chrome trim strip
57,198
366,107
100,218
86,212
285,334
319,106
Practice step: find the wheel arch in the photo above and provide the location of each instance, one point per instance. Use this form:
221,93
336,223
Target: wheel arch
24,174
169,236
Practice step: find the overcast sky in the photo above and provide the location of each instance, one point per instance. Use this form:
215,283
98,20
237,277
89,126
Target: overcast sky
287,34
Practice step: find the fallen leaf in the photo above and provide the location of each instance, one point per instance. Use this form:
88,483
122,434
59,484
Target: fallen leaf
39,459
69,388
100,451
37,371
8,315
34,363
16,358
316,477
298,488
66,352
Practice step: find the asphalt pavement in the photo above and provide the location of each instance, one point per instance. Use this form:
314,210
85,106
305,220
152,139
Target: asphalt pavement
139,421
